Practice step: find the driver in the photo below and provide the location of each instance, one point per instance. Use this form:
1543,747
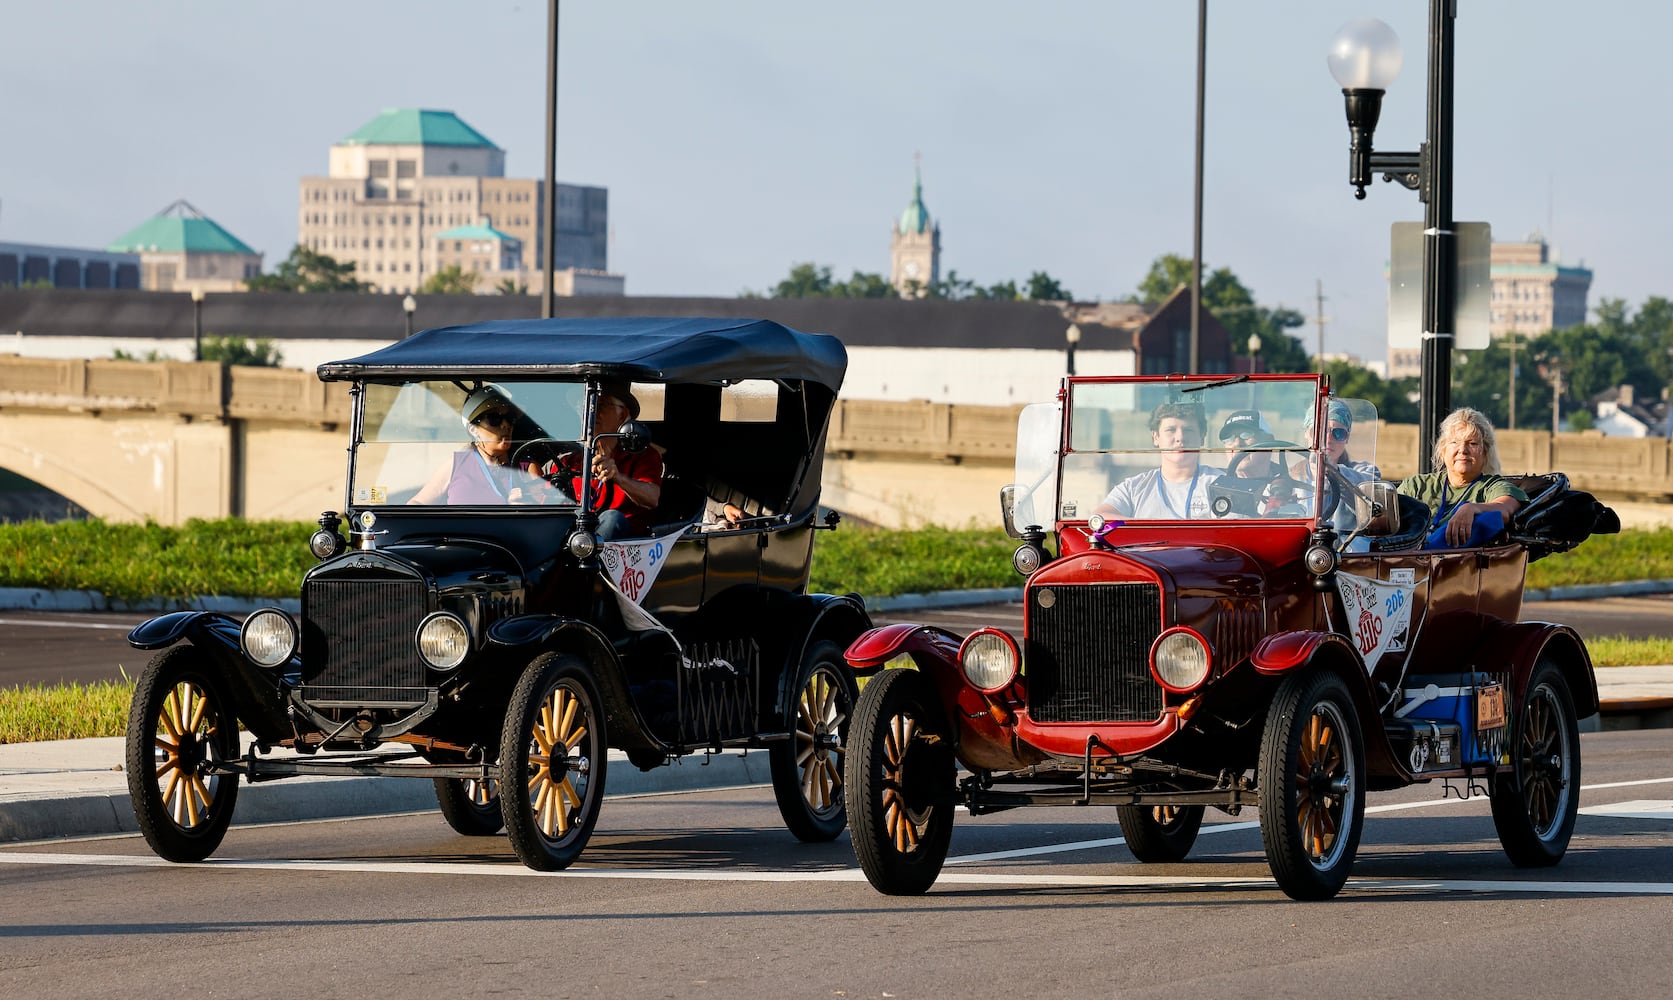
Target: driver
1243,430
627,486
483,474
1179,487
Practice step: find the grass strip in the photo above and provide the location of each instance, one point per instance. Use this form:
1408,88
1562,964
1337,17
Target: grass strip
35,712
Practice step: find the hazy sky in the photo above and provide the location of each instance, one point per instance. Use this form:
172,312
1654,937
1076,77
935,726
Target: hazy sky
737,138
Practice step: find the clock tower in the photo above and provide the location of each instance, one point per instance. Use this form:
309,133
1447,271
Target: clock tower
915,247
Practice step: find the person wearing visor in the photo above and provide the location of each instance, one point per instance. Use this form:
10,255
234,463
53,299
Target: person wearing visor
1340,429
482,474
626,485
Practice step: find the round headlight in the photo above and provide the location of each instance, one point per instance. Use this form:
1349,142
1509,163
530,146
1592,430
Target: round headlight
325,544
1180,660
988,659
443,641
582,545
1026,559
1320,560
268,637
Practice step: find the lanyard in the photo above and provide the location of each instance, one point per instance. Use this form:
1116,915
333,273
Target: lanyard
1162,490
488,473
1441,512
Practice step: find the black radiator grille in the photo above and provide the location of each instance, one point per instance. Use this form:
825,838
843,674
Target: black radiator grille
358,646
1088,655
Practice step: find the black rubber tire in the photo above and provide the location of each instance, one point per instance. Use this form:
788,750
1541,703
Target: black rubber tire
900,798
471,808
550,839
182,812
1535,804
807,770
1310,824
1163,839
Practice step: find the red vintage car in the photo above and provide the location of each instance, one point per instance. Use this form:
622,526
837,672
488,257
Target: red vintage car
1240,612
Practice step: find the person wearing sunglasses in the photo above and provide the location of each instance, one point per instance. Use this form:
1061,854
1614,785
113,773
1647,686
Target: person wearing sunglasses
482,474
1337,433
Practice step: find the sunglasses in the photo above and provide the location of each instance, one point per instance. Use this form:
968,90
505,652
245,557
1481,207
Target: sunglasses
495,418
1339,433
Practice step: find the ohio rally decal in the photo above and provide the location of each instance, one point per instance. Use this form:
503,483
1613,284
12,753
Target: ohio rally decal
1379,614
631,566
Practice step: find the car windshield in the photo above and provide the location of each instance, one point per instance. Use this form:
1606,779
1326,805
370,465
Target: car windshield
418,443
1199,450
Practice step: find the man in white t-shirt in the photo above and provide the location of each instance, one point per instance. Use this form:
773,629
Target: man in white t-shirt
1179,488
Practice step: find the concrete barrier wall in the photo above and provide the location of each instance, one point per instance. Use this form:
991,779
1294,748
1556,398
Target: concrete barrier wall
174,440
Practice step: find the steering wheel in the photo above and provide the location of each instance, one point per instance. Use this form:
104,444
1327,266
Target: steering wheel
1277,489
542,450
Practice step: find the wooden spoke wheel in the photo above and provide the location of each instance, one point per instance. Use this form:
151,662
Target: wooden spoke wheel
180,725
901,783
552,762
1535,804
1312,785
1159,834
807,770
471,806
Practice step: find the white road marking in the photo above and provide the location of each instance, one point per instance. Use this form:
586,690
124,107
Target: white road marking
1636,809
844,875
41,624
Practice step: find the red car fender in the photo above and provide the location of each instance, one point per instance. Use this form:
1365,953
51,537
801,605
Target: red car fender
926,644
1282,652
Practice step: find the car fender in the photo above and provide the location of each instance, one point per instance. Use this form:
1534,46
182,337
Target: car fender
523,637
1517,647
166,630
1284,653
804,620
931,647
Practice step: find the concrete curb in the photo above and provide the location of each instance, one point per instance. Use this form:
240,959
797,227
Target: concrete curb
1592,591
88,813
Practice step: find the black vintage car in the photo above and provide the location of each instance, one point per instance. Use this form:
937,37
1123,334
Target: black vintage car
473,628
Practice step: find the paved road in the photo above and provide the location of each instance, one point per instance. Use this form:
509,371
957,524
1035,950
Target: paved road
39,647
704,894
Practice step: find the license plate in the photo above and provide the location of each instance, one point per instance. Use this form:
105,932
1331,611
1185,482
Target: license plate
1489,707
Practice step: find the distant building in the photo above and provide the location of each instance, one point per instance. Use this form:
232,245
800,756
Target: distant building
1532,294
180,248
915,247
65,267
1620,412
403,183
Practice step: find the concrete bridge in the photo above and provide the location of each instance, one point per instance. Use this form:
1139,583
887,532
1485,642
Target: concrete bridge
169,441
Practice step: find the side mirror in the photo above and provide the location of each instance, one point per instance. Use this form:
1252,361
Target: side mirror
634,437
1008,508
1384,502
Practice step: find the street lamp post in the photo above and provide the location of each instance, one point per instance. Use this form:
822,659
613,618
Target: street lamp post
197,323
1254,354
1071,337
409,305
1365,58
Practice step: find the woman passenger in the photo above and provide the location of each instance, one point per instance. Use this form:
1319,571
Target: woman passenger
1468,483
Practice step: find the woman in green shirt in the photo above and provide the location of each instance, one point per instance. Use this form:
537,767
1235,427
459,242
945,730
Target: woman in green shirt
1468,483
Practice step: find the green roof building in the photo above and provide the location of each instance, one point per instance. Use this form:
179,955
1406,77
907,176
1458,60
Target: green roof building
915,246
400,185
180,249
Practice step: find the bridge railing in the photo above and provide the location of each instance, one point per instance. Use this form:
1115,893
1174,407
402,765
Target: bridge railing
939,432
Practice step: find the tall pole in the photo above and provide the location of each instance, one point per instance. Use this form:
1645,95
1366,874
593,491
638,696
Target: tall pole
548,302
1440,244
1512,380
1318,302
1196,223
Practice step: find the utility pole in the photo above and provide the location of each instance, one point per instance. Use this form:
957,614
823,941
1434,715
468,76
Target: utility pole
1512,338
1318,298
1556,399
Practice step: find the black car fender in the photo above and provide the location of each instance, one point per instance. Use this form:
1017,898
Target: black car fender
258,694
525,636
808,618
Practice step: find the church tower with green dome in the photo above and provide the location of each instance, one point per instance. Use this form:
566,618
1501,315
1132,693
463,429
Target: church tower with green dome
915,246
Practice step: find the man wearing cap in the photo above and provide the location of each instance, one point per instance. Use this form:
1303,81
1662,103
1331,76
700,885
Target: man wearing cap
1242,430
1179,488
626,486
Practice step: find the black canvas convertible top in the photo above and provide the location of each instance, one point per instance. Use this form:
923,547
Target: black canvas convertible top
646,350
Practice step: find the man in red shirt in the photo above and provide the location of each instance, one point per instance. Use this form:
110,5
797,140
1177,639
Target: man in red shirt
626,486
